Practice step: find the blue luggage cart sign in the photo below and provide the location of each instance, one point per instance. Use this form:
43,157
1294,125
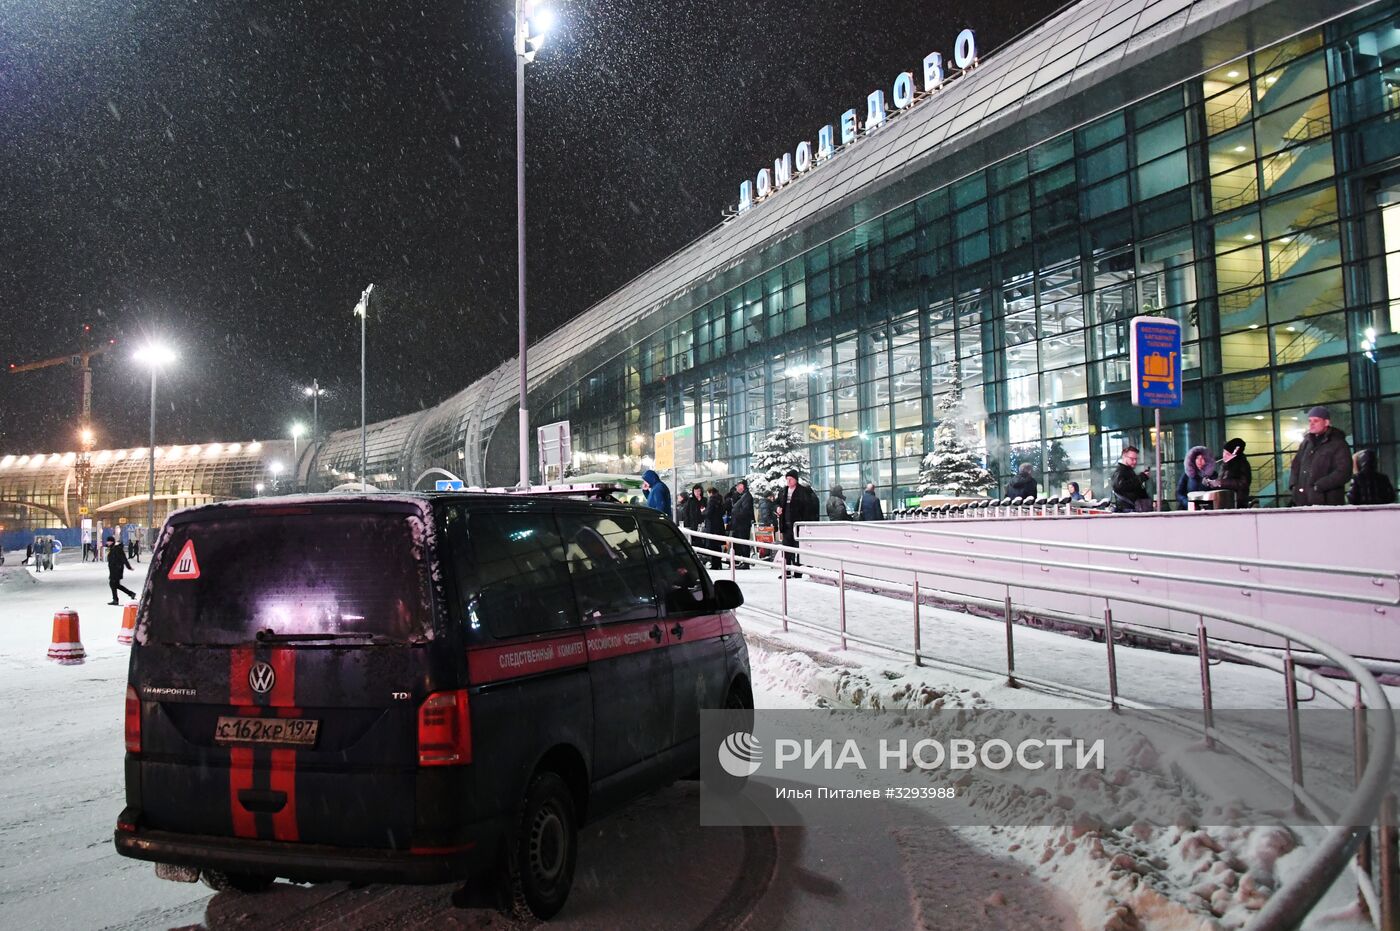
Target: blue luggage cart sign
450,485
1155,353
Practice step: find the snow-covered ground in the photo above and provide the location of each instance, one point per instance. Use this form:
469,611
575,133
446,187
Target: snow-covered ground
1120,876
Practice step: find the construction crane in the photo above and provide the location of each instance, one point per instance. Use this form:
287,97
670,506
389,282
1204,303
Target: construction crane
80,359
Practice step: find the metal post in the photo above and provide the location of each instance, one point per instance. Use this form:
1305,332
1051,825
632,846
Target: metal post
1295,739
1112,660
917,633
520,252
1010,644
841,585
1157,448
1207,704
315,409
732,577
151,455
784,584
1360,742
364,456
1390,888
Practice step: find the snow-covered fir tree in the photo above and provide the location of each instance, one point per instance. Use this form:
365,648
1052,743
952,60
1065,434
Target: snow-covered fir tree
780,451
951,468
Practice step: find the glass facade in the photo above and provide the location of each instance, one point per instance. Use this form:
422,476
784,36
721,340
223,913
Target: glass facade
1251,204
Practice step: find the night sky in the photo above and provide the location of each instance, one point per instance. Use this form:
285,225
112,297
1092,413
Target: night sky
231,175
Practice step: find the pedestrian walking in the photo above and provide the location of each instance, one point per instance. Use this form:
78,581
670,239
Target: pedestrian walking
117,564
836,504
658,495
1322,465
870,508
1024,484
1234,472
28,553
693,508
795,503
714,523
741,521
1370,485
1129,490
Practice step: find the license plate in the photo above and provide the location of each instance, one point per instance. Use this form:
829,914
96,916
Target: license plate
297,732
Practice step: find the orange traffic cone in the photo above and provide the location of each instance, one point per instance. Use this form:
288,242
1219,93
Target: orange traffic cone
128,624
67,645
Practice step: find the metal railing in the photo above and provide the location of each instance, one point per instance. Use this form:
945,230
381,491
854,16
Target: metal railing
1377,577
1373,734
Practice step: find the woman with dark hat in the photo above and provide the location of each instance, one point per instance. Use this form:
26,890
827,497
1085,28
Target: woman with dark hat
1235,473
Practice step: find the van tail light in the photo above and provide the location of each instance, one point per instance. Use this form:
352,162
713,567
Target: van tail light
133,721
445,730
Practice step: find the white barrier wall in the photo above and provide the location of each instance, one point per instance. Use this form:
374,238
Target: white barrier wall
1131,550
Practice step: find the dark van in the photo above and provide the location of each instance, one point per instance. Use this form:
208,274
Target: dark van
414,688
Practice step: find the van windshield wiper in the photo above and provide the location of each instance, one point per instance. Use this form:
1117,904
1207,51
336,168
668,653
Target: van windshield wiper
268,635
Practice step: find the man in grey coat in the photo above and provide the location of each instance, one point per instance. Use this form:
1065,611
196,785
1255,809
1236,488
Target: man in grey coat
1322,466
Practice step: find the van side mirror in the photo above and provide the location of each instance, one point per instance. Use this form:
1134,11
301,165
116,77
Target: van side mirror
728,594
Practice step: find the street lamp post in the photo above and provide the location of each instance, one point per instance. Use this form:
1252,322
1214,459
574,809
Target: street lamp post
153,355
297,430
362,309
314,393
531,23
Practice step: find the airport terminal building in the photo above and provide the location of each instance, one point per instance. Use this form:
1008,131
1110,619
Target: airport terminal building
1234,165
1231,164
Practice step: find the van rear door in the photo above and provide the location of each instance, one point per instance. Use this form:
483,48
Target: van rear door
282,656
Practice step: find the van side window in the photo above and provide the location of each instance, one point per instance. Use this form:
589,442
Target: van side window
608,566
516,582
679,581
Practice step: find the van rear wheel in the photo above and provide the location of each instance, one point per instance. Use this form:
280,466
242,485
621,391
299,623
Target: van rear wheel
220,881
540,857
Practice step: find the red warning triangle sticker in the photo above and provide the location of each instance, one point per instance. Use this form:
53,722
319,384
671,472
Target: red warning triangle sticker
186,564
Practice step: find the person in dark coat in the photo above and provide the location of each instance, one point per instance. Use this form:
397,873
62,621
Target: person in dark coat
1322,465
1370,485
1129,490
870,508
28,553
741,520
1198,475
693,508
714,523
117,564
765,505
796,503
1023,485
658,495
1234,472
836,504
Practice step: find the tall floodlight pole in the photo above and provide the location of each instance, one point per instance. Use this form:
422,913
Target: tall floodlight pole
314,393
532,21
362,309
153,355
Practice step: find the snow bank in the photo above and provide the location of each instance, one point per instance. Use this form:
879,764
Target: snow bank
1133,875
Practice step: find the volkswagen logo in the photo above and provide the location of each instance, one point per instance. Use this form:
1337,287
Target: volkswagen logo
261,678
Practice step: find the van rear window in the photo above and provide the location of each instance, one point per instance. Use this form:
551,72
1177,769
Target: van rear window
295,577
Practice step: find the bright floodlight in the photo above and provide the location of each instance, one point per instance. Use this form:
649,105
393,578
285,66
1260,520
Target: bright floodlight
258,487
275,468
156,354
298,430
86,435
542,22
